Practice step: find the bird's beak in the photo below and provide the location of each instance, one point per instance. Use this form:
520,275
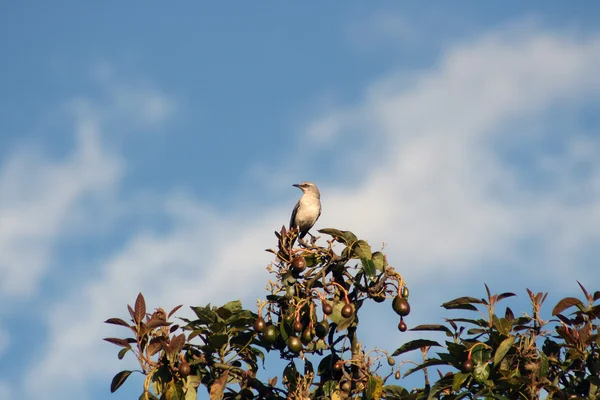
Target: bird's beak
296,185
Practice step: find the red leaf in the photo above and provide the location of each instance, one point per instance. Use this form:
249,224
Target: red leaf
564,304
585,293
140,309
118,342
116,321
505,295
173,311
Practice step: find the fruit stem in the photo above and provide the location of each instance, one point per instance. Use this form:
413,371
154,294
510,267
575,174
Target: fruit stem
343,290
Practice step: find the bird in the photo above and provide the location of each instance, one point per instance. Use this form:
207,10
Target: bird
307,210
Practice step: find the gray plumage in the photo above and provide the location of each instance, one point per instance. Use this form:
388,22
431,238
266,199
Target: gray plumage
307,210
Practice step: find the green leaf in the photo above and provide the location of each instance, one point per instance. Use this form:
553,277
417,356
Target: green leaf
324,365
174,391
379,261
368,268
218,341
481,372
233,306
291,374
361,249
440,386
414,345
565,303
150,396
502,325
543,365
345,237
205,315
503,349
428,363
329,388
458,380
463,303
191,393
336,317
394,392
373,389
431,327
122,352
118,380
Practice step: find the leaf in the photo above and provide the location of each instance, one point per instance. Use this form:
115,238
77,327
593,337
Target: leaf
564,304
155,323
291,376
233,306
174,391
505,295
118,380
119,342
122,352
218,387
205,315
177,343
116,321
502,325
191,393
428,363
431,327
374,387
174,310
585,293
361,249
443,384
379,261
462,301
139,309
131,312
395,392
217,342
368,268
458,379
346,237
481,372
414,345
596,295
503,349
508,314
543,364
324,365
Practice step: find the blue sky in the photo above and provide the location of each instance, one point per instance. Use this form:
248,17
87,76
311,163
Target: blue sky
152,148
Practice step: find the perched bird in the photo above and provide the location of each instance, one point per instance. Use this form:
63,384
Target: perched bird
307,210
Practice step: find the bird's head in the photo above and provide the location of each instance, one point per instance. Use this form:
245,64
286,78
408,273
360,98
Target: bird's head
308,187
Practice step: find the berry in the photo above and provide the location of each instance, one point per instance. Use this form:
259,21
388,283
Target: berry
298,264
401,306
259,324
294,344
347,310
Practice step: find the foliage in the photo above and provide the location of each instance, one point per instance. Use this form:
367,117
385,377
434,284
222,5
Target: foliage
310,314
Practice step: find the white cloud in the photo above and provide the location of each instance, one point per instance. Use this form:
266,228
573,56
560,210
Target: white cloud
37,195
437,192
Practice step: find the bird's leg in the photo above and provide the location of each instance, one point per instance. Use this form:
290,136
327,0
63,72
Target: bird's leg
313,238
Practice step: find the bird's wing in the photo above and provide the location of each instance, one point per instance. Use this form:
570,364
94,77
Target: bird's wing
294,214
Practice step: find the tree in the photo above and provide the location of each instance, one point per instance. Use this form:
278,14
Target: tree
311,315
